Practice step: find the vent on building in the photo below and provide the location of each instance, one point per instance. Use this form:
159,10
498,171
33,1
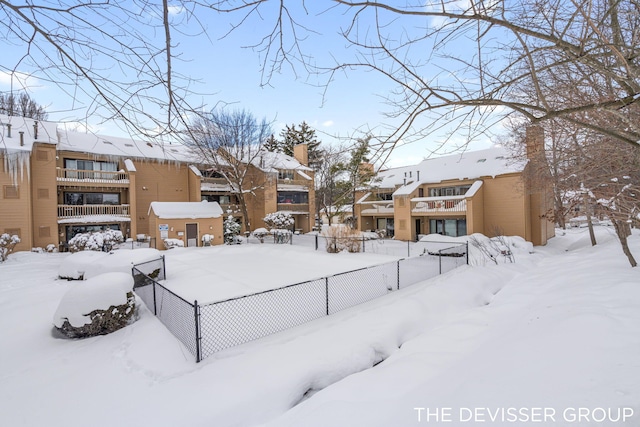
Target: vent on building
44,231
11,192
128,145
107,142
43,193
12,231
42,156
482,160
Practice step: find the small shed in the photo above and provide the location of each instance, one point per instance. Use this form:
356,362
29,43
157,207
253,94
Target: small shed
193,223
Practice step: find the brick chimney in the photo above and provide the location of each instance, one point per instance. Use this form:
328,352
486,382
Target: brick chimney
301,153
535,142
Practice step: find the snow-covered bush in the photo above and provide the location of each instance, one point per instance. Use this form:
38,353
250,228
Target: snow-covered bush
173,243
98,306
207,239
96,241
342,238
279,220
231,231
88,264
7,244
260,234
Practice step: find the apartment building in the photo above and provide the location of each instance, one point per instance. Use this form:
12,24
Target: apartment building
472,192
57,183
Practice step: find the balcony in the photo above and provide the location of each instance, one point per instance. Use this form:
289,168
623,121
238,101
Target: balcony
91,177
439,205
378,207
294,208
295,184
82,211
219,185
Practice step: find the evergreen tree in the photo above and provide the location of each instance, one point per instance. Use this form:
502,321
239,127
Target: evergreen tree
291,136
272,144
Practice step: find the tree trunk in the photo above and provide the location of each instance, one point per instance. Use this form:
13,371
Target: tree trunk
592,235
623,231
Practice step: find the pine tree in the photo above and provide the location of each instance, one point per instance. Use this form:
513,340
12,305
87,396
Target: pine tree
305,135
272,144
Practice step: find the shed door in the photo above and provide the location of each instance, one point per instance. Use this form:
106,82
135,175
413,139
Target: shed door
192,235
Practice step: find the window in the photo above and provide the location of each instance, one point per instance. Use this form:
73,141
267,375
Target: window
385,196
91,198
285,174
84,166
293,197
448,227
11,192
459,190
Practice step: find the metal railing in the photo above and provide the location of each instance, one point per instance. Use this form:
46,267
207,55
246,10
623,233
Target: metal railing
208,328
74,211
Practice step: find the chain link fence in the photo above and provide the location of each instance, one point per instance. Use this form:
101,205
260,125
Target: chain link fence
208,328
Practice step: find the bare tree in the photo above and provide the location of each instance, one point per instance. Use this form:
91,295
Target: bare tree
232,144
21,105
114,60
329,178
461,65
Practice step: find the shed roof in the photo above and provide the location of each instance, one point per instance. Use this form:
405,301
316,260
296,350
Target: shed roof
191,210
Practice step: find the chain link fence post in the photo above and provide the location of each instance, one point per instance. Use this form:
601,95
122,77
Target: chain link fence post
196,315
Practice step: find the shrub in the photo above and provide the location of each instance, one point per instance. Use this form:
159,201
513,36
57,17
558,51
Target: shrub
7,244
96,241
231,230
279,220
339,239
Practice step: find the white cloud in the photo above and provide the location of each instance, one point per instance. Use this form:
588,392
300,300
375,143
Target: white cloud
328,123
175,10
19,81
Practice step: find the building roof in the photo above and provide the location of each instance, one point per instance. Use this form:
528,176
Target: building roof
271,161
467,165
51,133
192,210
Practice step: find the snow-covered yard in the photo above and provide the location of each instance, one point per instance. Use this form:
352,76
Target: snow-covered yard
558,330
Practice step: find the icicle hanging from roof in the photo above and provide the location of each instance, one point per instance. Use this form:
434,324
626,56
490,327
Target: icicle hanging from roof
17,161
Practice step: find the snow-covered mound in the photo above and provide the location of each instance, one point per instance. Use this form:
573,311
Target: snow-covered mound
87,264
97,306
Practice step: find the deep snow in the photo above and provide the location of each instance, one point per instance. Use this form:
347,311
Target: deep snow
559,329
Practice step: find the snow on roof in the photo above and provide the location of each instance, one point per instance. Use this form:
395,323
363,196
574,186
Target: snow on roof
10,139
193,210
116,146
467,165
271,161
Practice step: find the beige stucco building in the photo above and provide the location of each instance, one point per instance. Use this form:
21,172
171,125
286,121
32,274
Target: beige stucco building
461,194
56,183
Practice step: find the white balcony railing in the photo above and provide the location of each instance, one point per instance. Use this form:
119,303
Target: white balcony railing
75,175
446,204
78,211
377,207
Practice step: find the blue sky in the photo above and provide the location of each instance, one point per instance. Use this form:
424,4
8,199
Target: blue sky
229,73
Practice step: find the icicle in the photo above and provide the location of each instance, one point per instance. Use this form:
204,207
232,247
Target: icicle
15,161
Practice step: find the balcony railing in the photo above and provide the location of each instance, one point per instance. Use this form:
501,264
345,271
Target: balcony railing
233,208
377,207
77,211
219,181
76,175
295,181
295,207
439,204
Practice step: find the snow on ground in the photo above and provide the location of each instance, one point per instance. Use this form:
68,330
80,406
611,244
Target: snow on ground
559,329
217,273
